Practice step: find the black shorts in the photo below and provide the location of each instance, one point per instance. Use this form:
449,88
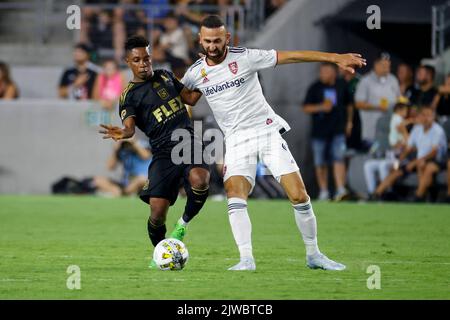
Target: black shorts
165,179
441,166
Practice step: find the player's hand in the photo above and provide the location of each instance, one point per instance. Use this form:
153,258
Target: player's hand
349,61
111,132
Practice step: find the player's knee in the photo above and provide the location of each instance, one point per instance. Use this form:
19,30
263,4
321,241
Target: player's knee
299,197
199,179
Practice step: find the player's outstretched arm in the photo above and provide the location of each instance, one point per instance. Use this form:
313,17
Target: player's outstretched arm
117,133
347,61
190,97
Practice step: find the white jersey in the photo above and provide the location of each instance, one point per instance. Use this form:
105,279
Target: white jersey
233,91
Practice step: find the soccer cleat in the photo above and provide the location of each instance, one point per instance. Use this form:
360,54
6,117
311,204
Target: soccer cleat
244,264
179,232
152,265
320,261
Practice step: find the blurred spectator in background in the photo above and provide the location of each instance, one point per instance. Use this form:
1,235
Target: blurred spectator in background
273,5
429,140
158,11
405,79
425,90
385,160
101,34
127,22
8,89
441,101
109,84
135,158
175,45
188,11
97,28
327,100
353,129
159,60
376,93
78,82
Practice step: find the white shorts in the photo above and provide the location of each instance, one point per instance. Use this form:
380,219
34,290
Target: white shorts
245,149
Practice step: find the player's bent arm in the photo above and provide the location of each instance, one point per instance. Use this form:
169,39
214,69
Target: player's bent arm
190,97
345,61
129,128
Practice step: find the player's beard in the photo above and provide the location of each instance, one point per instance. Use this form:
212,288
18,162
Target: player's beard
218,54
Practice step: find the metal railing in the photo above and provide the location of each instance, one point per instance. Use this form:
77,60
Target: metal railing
440,28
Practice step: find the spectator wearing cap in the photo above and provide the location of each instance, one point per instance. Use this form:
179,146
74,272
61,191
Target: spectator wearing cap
376,93
77,82
425,89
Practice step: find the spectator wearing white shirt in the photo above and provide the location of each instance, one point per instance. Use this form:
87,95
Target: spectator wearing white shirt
429,140
376,93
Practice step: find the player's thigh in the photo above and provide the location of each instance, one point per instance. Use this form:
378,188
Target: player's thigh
164,180
239,168
275,154
294,187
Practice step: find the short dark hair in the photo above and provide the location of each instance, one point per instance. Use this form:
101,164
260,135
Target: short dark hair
399,106
212,21
430,69
329,64
136,42
426,106
83,47
383,56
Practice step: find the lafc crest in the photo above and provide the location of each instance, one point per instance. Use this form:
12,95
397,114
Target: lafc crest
163,94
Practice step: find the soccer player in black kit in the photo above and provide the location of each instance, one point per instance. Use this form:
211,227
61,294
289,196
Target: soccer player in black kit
154,102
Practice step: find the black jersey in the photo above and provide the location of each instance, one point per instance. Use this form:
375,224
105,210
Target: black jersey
157,107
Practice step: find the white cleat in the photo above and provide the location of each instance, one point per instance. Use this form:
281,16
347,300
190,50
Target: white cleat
244,264
320,261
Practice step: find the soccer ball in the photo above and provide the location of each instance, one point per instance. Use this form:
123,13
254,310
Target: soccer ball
170,254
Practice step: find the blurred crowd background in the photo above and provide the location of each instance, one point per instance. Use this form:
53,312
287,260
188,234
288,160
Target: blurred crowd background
354,131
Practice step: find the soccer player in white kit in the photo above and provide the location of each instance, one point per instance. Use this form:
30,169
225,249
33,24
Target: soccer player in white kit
227,77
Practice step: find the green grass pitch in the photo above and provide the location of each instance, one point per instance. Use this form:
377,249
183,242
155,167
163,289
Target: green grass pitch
107,238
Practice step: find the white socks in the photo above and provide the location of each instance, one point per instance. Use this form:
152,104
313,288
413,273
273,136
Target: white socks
306,223
241,226
182,222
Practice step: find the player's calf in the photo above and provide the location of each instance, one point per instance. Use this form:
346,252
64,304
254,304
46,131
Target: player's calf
197,191
156,226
